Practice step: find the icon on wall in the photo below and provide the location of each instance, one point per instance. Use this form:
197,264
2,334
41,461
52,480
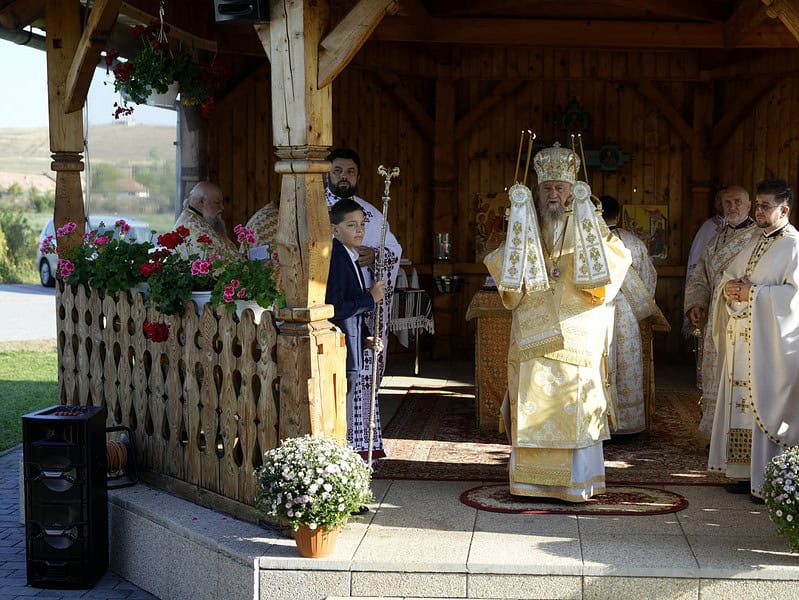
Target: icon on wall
650,222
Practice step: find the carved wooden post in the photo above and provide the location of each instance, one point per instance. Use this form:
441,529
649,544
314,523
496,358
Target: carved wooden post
66,129
310,353
192,151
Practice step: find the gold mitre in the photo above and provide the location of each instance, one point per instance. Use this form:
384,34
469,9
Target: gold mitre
556,164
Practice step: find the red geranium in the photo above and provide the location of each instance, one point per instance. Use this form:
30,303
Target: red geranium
157,332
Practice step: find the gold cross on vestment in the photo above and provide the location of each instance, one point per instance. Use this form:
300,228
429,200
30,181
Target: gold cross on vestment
742,405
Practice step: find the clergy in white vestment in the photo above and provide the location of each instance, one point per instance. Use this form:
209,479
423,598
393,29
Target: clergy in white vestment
630,378
342,182
202,216
740,230
558,281
756,329
264,224
704,234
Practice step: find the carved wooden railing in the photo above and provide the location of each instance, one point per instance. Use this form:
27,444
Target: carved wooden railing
202,405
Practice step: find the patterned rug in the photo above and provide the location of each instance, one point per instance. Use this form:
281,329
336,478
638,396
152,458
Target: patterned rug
618,500
434,435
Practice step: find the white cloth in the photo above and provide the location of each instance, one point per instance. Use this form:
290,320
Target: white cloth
757,414
626,369
706,231
358,422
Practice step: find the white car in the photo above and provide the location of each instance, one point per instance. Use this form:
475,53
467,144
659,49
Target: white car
139,231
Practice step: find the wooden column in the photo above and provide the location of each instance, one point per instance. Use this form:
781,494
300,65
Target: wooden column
444,305
66,129
192,151
702,165
310,352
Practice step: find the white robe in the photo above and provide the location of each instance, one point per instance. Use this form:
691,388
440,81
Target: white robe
626,367
358,422
757,413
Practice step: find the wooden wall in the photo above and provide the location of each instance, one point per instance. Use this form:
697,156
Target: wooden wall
384,106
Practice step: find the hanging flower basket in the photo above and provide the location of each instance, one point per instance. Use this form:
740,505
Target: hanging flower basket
165,100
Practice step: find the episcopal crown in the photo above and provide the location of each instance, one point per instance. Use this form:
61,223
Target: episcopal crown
556,164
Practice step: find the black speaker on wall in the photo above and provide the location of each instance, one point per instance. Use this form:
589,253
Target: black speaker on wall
66,500
231,11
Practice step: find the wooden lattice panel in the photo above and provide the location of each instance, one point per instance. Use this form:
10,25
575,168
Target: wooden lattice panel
201,405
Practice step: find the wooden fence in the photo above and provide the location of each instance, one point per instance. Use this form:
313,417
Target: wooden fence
202,406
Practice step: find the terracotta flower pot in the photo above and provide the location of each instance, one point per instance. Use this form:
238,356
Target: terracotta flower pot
315,543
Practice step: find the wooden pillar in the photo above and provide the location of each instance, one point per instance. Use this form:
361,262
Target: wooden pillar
444,305
702,165
192,151
310,352
66,129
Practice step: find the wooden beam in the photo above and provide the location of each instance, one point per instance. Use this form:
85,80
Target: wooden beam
743,104
265,37
786,11
696,10
588,34
340,45
94,39
479,110
748,15
408,102
190,40
651,93
20,13
413,8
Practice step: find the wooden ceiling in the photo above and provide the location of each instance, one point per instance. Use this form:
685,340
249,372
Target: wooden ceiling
656,24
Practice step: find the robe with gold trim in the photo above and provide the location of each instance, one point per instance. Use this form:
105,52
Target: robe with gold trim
558,400
757,413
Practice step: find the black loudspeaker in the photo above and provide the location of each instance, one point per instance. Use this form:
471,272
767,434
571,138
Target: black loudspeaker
66,500
232,11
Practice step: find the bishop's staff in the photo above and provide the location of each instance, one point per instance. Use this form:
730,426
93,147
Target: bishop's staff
378,339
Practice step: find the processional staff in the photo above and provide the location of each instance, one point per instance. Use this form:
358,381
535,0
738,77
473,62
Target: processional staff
376,347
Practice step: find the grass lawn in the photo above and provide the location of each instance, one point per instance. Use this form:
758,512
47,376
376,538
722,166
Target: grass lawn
28,382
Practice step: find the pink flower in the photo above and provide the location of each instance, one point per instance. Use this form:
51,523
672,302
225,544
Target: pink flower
227,295
65,267
241,293
234,283
66,229
244,234
47,245
201,267
123,227
275,258
102,240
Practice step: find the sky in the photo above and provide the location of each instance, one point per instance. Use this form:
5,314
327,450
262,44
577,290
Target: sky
23,97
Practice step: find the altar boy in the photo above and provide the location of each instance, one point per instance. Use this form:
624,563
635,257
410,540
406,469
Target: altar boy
347,292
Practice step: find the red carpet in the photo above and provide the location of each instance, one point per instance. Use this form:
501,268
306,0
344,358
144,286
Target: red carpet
434,435
617,500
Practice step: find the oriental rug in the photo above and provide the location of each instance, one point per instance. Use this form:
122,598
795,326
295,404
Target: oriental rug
434,436
617,500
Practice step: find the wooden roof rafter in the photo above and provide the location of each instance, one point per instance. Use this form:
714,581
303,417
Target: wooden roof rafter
16,14
786,11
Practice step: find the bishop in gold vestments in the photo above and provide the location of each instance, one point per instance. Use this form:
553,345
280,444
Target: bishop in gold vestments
556,379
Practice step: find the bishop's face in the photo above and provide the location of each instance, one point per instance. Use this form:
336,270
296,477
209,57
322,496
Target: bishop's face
553,197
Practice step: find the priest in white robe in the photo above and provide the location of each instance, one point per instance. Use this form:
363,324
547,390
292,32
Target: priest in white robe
739,231
558,284
202,216
630,376
342,182
756,328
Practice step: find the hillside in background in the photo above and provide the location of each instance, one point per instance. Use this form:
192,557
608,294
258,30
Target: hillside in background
27,150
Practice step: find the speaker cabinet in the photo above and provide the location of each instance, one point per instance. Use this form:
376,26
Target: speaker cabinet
237,11
66,501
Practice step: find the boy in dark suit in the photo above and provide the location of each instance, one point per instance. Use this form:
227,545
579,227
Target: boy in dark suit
347,292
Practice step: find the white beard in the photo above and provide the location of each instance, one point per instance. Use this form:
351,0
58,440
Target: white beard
217,223
553,221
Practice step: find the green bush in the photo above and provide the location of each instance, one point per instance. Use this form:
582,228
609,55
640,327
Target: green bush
41,201
19,236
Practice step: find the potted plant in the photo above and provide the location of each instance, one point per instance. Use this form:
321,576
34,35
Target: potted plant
314,484
246,282
106,260
781,494
176,269
159,66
